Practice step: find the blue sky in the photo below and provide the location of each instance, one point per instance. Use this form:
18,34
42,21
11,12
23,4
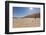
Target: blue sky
23,11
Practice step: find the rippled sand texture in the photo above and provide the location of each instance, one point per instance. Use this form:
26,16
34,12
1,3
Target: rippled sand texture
26,22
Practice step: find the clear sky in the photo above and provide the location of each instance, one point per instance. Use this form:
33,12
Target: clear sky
23,11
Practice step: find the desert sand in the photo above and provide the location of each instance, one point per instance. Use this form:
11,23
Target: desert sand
26,22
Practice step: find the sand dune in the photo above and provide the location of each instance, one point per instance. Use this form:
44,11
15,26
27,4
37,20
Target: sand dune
35,15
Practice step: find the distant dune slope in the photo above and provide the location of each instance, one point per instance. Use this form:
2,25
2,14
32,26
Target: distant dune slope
37,15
